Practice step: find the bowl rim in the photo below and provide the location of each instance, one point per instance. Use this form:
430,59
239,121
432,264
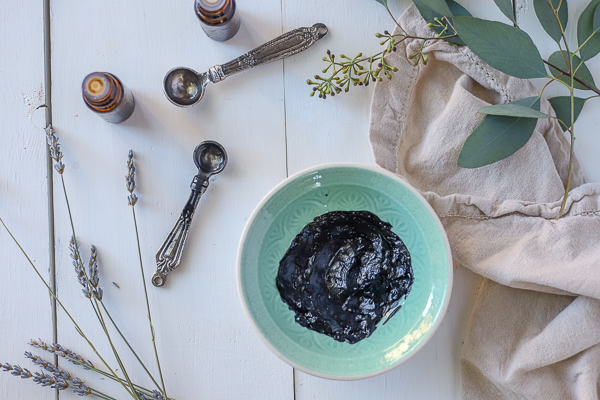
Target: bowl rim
442,311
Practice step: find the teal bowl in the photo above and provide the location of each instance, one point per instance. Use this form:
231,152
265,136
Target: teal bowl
283,213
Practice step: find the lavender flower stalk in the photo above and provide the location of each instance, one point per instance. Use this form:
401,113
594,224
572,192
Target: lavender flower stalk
94,279
130,180
132,200
61,352
53,377
55,151
79,269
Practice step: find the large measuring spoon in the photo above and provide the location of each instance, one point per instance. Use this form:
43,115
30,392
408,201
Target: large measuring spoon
184,87
210,158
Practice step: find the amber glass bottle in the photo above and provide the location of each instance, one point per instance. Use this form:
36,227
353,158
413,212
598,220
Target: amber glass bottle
219,18
104,94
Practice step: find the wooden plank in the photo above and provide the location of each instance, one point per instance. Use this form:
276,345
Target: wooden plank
207,346
336,130
26,307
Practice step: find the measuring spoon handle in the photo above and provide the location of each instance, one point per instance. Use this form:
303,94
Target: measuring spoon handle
282,46
168,256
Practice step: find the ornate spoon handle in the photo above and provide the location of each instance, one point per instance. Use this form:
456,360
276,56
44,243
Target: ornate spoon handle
282,46
168,256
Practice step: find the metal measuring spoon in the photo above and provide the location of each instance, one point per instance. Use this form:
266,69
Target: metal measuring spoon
184,87
210,158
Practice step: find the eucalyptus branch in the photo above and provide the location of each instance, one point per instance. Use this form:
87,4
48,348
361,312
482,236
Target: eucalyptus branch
571,155
394,18
360,71
588,86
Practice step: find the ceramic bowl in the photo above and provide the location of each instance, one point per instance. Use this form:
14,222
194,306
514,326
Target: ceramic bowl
283,213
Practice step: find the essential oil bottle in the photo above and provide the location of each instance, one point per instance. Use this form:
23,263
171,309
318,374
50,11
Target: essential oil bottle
219,18
107,96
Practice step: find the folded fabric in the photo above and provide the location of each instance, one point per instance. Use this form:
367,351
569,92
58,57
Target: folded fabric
535,330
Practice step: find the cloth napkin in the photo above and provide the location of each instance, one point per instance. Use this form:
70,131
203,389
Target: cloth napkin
535,329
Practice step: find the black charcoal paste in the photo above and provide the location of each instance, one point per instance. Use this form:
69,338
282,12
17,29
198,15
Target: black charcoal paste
343,272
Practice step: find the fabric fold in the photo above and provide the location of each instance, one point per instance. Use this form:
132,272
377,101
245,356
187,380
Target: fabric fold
534,331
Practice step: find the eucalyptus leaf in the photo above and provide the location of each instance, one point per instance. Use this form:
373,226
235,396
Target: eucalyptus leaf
498,137
583,73
596,23
504,47
438,6
507,9
513,110
384,2
562,108
429,16
585,28
546,16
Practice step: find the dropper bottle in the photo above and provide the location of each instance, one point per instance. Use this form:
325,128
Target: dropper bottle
104,94
219,18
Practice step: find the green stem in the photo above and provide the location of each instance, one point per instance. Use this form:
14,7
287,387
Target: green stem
571,153
76,245
128,344
395,21
112,346
107,375
77,327
152,332
98,393
593,89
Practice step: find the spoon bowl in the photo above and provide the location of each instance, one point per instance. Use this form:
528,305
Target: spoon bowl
184,87
210,157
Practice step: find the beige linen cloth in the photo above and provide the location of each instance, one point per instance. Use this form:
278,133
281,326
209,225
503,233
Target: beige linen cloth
535,329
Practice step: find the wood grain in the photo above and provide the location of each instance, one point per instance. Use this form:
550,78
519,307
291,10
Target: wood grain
26,308
207,346
270,127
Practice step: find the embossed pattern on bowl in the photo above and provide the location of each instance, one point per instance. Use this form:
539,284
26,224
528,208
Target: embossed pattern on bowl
281,216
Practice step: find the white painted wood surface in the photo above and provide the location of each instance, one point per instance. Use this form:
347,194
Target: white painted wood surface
25,311
270,127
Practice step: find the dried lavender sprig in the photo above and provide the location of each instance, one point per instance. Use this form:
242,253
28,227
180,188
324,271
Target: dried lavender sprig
57,155
93,267
130,180
94,278
48,366
79,269
76,359
51,291
55,151
62,379
132,200
80,388
55,378
62,352
156,395
16,370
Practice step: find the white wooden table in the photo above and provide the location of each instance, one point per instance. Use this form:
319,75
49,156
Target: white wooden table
270,127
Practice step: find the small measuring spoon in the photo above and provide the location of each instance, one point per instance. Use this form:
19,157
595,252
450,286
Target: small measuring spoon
184,87
210,158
